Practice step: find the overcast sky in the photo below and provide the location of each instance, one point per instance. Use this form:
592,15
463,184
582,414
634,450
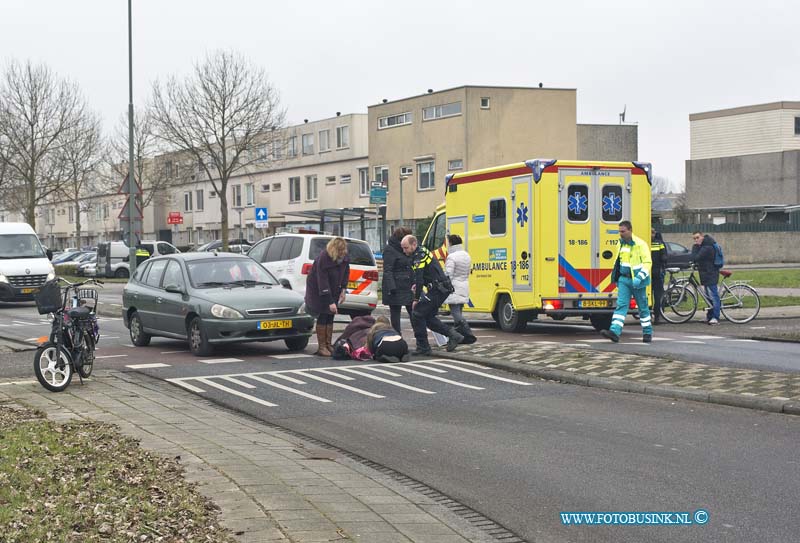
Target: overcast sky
663,61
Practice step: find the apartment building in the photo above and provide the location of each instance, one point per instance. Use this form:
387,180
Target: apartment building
415,142
744,160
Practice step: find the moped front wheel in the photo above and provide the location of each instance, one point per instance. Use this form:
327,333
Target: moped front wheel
53,371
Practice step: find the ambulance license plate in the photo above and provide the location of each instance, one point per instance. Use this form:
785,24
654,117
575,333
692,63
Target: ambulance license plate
593,303
271,325
352,284
29,290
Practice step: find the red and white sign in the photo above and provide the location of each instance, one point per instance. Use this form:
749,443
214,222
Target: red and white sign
174,217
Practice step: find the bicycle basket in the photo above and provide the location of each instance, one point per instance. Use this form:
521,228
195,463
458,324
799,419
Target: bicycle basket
48,300
86,294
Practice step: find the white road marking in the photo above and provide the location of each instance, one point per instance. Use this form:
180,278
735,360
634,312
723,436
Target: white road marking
484,336
442,379
704,337
385,372
340,385
223,388
146,366
693,342
288,389
108,337
663,338
220,360
238,382
746,340
594,340
111,356
174,352
422,366
290,379
483,374
23,323
284,356
334,374
546,342
758,327
32,339
389,381
181,382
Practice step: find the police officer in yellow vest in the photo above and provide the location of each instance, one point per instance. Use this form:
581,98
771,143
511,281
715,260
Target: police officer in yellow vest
658,252
142,254
632,275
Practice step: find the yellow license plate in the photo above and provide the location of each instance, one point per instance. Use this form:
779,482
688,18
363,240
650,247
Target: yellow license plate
271,325
29,290
352,284
594,303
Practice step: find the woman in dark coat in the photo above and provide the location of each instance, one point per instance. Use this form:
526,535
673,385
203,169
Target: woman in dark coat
397,277
325,290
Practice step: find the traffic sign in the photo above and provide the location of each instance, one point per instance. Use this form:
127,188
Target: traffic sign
262,217
175,217
123,214
377,195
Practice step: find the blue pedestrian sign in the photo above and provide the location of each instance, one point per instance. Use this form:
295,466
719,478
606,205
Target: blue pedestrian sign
262,217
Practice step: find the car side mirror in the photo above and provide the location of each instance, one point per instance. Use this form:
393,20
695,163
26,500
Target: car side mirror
285,283
175,289
49,254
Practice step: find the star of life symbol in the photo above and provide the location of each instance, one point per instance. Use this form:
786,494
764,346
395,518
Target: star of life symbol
577,203
612,204
522,214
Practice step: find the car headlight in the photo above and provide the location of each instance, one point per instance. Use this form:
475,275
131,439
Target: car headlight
51,276
3,278
302,309
222,312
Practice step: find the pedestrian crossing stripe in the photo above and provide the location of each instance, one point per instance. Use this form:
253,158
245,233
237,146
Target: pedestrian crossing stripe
334,375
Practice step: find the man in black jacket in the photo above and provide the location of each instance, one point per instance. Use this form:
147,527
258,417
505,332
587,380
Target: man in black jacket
703,254
437,287
658,252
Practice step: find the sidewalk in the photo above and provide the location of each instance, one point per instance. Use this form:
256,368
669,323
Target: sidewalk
269,484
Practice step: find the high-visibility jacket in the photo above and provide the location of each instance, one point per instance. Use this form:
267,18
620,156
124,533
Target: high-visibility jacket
658,253
634,260
142,252
427,270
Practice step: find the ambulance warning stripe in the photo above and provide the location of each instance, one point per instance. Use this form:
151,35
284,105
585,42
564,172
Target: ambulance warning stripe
574,280
526,170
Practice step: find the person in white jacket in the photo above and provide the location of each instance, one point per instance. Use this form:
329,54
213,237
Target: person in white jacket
458,267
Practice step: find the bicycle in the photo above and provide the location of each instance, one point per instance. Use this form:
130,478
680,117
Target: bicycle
74,333
740,303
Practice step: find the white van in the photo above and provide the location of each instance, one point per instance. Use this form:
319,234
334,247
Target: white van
113,256
24,264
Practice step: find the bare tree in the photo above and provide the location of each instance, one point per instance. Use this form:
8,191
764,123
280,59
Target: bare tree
219,115
37,111
82,155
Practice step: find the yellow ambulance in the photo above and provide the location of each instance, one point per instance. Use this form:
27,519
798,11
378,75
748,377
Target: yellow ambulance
543,235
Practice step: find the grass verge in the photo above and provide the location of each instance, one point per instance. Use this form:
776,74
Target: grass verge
84,481
76,279
785,278
779,301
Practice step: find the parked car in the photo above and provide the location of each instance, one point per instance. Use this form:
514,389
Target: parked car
113,256
289,257
234,246
678,256
212,299
67,257
85,264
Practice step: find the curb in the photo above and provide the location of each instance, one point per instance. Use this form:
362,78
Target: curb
789,407
16,345
775,339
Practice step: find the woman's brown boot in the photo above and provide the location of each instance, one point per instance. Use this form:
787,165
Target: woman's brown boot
329,338
322,340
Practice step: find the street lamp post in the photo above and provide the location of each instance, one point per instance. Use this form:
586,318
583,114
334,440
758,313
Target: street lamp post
239,211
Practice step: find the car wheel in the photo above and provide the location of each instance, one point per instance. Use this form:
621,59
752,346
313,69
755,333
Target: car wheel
138,336
198,341
296,343
121,273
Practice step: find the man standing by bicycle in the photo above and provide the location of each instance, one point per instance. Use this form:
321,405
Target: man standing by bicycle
703,254
632,275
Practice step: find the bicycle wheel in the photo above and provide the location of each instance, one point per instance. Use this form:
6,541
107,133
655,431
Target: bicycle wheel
88,357
740,303
679,304
52,373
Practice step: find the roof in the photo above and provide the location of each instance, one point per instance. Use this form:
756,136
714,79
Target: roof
16,228
201,255
743,109
470,87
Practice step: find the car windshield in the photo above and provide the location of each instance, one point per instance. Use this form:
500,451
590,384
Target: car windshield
218,272
20,246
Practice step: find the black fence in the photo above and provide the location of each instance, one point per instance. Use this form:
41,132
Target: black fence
728,227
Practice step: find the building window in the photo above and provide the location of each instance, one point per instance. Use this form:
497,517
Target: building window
98,214
344,179
212,194
71,214
324,140
485,102
330,180
342,137
276,187
497,217
294,189
291,147
236,192
311,188
277,149
425,173
198,200
250,194
797,126
168,169
391,121
308,144
105,211
382,175
251,232
187,202
265,187
438,112
457,164
406,170
363,181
